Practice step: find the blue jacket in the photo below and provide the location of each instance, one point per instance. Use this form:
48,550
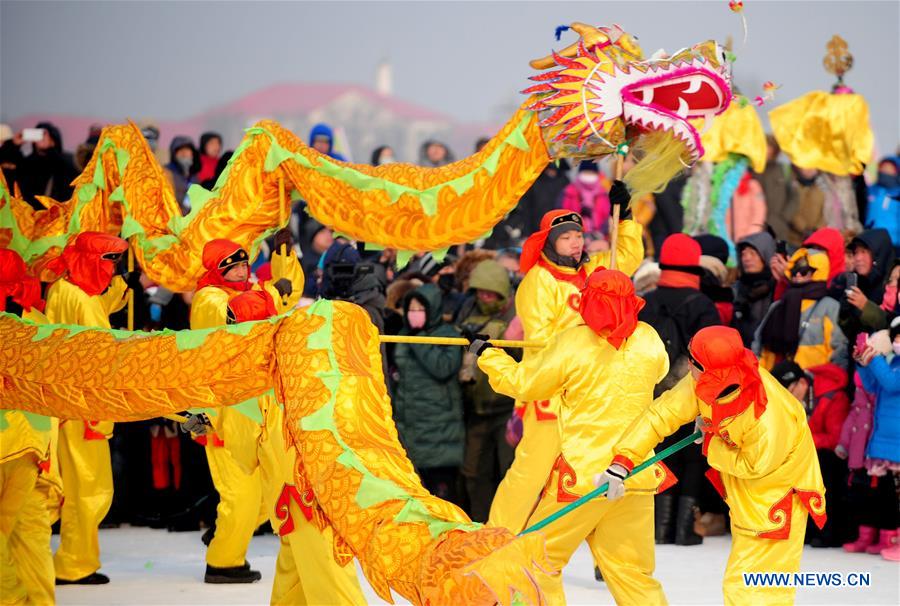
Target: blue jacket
883,380
884,210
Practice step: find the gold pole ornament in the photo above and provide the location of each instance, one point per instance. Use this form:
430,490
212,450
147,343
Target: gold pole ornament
838,60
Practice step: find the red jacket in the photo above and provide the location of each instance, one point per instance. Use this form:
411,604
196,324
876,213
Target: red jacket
831,405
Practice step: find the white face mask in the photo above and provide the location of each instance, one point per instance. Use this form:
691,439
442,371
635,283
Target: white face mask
588,178
896,348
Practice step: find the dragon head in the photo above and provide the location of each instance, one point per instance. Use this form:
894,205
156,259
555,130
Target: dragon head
600,92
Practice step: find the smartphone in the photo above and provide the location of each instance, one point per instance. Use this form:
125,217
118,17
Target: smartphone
862,339
781,248
32,135
852,281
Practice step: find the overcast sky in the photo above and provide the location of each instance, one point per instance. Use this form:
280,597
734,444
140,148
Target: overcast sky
468,59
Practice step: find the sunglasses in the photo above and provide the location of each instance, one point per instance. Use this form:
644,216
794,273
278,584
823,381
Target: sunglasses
695,363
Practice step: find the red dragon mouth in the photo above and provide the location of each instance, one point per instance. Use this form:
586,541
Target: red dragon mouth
667,102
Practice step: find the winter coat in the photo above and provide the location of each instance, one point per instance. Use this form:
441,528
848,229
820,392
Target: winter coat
591,201
883,210
753,294
480,398
857,427
428,400
821,338
883,379
691,311
781,196
747,213
541,197
831,405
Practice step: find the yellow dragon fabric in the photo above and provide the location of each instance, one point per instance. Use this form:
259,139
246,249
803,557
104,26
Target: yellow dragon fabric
324,365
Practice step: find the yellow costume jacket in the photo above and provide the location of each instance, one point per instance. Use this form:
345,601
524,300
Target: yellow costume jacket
601,391
761,463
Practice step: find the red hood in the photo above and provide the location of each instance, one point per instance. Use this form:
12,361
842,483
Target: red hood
827,377
832,242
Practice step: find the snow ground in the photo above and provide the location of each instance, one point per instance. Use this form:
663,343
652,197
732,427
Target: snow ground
150,567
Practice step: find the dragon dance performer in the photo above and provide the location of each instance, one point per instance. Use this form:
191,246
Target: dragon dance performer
761,451
85,295
306,571
556,268
26,560
240,493
602,374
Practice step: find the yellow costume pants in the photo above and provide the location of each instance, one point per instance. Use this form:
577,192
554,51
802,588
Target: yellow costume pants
306,571
240,493
26,561
86,472
620,534
520,489
752,554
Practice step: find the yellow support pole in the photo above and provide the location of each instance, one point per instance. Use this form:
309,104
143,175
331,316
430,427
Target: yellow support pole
455,341
176,418
130,291
282,212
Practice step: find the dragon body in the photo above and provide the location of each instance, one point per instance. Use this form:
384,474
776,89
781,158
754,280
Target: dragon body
323,362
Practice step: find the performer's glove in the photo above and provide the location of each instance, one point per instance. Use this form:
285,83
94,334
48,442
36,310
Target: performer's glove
470,335
284,287
283,237
479,346
197,424
700,425
621,197
615,477
133,279
841,452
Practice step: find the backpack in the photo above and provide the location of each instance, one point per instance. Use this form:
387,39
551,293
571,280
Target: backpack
662,318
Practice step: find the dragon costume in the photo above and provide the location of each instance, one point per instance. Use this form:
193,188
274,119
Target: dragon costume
323,362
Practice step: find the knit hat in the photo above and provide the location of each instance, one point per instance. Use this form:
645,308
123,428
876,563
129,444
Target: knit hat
681,253
713,246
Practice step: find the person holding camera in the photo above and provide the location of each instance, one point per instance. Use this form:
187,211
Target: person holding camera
47,171
803,325
345,277
864,286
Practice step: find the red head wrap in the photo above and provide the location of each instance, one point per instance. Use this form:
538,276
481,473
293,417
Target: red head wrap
218,257
724,362
90,261
531,249
251,305
609,305
16,283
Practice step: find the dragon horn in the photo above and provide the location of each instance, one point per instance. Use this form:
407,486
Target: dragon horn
589,35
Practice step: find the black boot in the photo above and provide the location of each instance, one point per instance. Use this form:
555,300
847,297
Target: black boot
207,536
235,574
664,518
684,522
95,578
